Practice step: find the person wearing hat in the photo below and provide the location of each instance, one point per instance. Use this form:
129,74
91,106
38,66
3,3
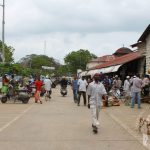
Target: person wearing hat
48,85
127,90
96,91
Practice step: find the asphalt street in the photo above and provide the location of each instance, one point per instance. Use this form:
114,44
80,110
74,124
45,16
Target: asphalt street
60,124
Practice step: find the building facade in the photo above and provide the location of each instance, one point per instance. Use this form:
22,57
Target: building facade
143,46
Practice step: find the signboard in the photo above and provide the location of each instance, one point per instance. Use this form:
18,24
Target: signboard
48,68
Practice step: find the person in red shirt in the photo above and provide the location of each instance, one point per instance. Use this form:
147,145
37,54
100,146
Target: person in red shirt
38,85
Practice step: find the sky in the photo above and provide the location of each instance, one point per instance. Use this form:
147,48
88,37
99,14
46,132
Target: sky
57,27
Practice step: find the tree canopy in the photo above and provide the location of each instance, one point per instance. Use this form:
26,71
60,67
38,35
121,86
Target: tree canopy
78,60
33,63
8,53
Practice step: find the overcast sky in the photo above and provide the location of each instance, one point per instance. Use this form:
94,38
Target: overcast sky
101,26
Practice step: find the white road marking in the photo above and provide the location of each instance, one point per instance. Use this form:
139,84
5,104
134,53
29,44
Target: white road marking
15,119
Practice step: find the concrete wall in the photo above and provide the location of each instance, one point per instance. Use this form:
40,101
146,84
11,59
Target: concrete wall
141,67
141,63
148,53
142,48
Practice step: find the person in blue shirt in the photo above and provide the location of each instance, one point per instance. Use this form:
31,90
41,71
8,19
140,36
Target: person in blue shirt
75,89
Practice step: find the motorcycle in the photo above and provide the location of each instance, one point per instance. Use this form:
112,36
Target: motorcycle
14,94
31,90
63,90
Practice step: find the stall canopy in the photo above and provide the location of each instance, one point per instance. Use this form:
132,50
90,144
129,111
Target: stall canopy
84,73
104,70
92,72
110,69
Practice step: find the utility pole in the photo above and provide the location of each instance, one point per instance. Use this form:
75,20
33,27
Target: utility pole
3,32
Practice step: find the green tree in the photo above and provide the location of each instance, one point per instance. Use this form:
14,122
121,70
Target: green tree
78,60
62,70
8,53
35,62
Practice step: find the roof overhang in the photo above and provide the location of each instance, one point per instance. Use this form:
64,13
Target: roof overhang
110,69
104,70
135,45
145,34
84,73
92,72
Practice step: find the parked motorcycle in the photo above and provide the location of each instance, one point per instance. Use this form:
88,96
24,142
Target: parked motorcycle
63,91
15,95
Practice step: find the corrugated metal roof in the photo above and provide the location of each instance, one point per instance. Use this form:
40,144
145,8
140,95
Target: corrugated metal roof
121,60
104,58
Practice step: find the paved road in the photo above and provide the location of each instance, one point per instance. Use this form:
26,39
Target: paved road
60,125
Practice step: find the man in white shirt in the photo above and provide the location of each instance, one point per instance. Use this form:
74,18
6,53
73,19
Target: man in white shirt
127,90
96,91
48,85
82,85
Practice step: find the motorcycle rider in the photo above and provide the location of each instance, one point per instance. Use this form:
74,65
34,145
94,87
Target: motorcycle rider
63,83
48,85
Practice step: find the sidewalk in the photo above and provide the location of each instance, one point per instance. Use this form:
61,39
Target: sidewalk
128,118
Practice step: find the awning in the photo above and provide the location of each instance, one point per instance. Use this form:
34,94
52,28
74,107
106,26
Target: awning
115,69
110,69
104,70
84,73
92,72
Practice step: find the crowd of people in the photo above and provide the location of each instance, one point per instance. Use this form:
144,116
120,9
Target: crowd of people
98,89
94,90
37,85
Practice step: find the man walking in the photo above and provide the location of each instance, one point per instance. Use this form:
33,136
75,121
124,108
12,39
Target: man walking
96,91
137,85
82,85
75,89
